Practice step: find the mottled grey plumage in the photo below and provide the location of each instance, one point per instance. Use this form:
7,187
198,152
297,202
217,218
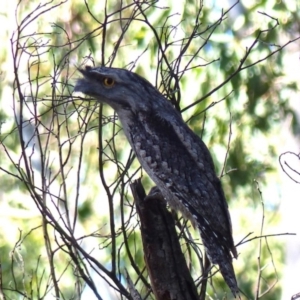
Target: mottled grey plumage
174,157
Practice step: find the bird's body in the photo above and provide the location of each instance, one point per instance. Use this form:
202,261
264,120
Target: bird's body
174,157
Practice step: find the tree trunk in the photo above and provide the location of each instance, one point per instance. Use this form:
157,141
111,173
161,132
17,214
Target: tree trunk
167,268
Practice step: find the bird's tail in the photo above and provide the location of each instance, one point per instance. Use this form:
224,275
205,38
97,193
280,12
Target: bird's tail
219,254
227,272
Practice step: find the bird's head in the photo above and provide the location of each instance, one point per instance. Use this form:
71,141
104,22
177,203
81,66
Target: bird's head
119,88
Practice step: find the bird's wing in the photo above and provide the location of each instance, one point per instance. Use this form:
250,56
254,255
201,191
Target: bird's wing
176,159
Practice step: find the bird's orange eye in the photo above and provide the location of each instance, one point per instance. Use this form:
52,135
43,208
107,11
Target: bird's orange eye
108,82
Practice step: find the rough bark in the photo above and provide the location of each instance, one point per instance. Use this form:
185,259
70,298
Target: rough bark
167,268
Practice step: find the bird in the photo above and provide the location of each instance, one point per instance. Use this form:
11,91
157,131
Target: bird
174,157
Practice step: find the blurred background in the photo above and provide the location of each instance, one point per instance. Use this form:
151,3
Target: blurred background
68,224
